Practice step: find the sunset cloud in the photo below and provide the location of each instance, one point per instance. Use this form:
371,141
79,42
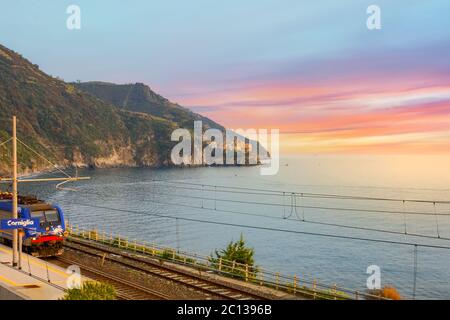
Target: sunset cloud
311,69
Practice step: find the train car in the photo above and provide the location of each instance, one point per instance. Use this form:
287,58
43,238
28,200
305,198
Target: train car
47,239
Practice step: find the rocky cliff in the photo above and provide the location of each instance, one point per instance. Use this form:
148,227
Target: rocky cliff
90,124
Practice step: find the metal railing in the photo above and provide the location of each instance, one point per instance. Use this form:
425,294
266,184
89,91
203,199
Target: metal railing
256,275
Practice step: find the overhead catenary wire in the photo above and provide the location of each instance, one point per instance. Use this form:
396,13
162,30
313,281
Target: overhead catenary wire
404,217
415,259
293,203
303,206
292,208
318,207
356,186
437,220
42,157
64,180
202,196
257,191
284,217
266,228
303,220
284,183
5,142
296,204
305,194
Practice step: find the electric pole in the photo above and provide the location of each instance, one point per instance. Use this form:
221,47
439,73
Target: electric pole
15,181
14,191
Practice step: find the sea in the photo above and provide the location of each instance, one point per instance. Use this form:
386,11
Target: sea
322,217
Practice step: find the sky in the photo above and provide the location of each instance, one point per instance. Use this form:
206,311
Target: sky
311,69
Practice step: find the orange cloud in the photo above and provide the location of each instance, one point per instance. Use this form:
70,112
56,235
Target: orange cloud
366,116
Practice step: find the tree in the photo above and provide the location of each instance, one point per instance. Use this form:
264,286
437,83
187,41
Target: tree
91,290
235,258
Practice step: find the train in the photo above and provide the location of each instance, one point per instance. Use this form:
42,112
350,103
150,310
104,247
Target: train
47,239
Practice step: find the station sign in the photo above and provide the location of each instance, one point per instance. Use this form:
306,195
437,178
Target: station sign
7,224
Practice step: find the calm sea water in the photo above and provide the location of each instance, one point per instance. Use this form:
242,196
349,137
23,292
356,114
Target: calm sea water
330,260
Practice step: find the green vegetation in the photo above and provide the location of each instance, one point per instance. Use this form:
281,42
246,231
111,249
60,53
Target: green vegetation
230,268
236,258
87,124
91,290
140,98
165,254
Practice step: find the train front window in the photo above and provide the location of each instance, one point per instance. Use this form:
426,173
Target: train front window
40,215
52,216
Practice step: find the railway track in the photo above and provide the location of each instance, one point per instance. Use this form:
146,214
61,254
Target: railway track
212,289
126,290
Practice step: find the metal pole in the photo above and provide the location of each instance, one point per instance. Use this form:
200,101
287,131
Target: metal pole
415,272
20,248
14,191
29,266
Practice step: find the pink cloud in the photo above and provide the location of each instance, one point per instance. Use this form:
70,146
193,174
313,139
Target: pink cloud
367,112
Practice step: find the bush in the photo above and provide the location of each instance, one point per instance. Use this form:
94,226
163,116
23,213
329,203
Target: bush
387,292
91,290
167,255
239,253
390,293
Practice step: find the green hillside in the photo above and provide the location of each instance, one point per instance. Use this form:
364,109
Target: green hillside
74,128
140,98
91,124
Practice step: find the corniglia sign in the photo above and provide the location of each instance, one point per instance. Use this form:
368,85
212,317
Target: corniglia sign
18,223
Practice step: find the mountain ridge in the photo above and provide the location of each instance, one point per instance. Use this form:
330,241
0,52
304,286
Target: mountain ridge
74,128
139,97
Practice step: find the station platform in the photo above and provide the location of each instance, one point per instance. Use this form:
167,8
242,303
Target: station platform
46,282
